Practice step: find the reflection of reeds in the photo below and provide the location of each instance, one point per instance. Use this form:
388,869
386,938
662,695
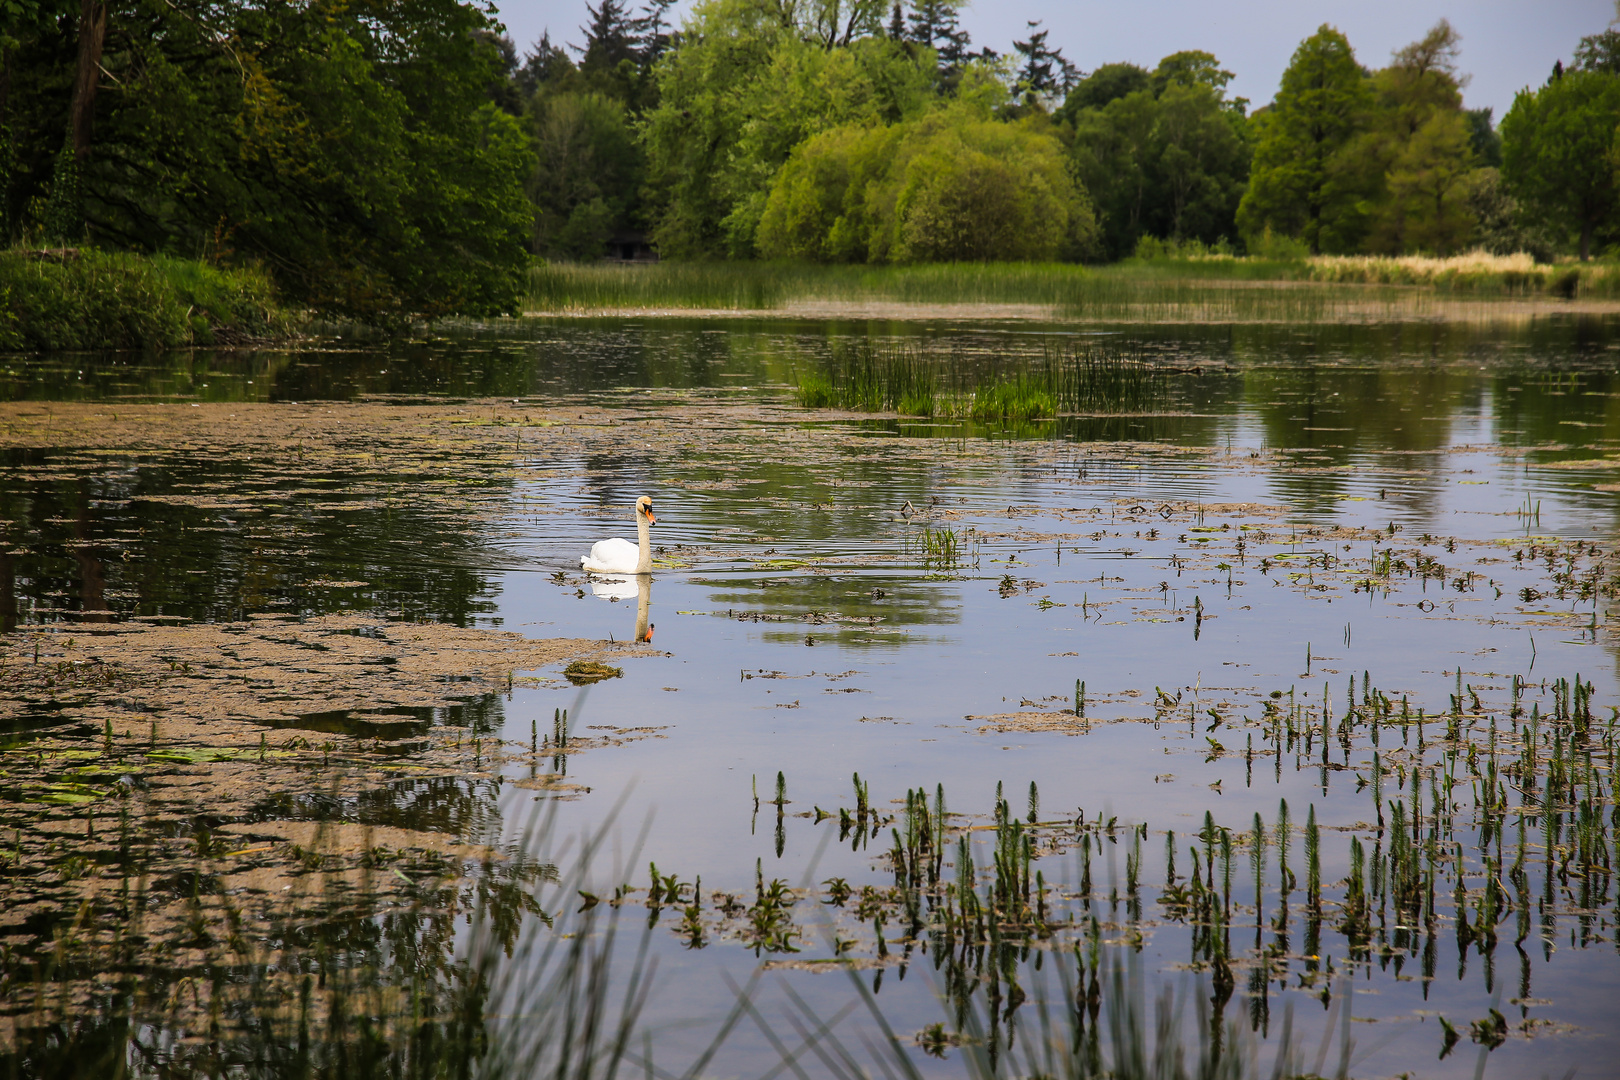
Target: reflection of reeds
1073,377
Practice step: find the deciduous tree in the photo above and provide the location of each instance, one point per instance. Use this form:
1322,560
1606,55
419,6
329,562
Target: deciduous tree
1559,154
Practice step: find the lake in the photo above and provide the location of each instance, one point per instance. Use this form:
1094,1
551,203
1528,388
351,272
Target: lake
1272,719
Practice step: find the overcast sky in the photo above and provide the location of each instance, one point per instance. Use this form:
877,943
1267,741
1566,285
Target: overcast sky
1506,44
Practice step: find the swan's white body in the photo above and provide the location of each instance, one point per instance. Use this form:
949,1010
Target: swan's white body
618,556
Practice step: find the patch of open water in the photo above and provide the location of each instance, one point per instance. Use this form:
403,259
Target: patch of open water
1328,526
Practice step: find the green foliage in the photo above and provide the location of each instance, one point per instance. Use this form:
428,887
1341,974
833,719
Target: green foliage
1168,160
1559,154
1310,177
1422,138
587,172
920,381
952,186
351,148
64,210
120,301
817,208
1110,82
1499,226
746,86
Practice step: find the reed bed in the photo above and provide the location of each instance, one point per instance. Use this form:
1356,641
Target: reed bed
1216,288
916,380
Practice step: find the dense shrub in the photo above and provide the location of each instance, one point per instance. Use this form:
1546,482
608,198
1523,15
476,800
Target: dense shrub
97,300
954,186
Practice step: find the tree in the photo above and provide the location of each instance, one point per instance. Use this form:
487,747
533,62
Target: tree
1044,72
954,185
936,24
545,65
1309,179
1193,67
1499,227
1168,159
1421,138
1599,52
586,175
1559,153
352,149
1484,141
750,82
1108,83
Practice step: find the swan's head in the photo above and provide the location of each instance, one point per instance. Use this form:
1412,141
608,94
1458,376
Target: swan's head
644,509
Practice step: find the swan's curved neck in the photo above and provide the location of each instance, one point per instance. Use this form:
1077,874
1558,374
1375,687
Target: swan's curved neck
643,545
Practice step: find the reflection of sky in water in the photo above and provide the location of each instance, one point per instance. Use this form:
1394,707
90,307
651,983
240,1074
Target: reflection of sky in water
809,637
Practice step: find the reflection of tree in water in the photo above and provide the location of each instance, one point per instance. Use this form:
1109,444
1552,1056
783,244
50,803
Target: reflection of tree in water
345,978
94,536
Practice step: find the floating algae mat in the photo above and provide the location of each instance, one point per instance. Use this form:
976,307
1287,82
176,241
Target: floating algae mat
1276,691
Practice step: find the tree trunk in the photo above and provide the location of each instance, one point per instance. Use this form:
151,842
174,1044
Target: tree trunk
1586,240
92,35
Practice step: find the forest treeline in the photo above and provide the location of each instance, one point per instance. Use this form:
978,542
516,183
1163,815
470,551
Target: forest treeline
383,156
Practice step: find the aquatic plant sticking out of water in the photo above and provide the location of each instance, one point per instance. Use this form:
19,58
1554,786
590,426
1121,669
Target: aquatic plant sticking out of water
918,380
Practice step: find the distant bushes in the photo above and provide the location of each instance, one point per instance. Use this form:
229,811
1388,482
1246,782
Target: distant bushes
953,186
99,300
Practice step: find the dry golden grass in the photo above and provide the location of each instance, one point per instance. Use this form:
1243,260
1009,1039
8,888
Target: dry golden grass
1473,271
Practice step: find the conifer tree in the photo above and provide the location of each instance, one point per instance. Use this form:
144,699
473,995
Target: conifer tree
1309,179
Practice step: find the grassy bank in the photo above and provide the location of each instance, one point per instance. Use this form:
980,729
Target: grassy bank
100,300
1224,286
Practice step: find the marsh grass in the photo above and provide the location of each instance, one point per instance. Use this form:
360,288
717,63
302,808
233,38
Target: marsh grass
102,300
1179,288
1475,272
918,380
348,977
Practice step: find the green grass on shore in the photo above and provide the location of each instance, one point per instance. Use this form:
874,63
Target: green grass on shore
1158,288
102,300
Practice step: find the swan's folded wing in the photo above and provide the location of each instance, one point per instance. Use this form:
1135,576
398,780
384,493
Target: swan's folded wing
615,556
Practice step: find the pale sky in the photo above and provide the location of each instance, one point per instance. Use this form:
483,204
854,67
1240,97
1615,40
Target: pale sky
1506,44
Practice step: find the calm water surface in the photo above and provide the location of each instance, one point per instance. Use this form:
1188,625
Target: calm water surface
1184,565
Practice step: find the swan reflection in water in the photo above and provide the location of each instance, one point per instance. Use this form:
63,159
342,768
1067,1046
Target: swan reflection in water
623,588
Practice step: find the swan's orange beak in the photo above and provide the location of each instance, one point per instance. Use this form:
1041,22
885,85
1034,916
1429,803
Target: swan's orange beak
650,519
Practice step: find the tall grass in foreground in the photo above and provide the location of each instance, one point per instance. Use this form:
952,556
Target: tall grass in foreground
106,300
351,979
917,381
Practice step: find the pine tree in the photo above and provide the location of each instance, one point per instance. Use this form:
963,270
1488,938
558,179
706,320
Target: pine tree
653,38
609,39
545,64
937,25
1045,72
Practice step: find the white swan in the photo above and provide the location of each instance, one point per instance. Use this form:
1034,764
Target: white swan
618,556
